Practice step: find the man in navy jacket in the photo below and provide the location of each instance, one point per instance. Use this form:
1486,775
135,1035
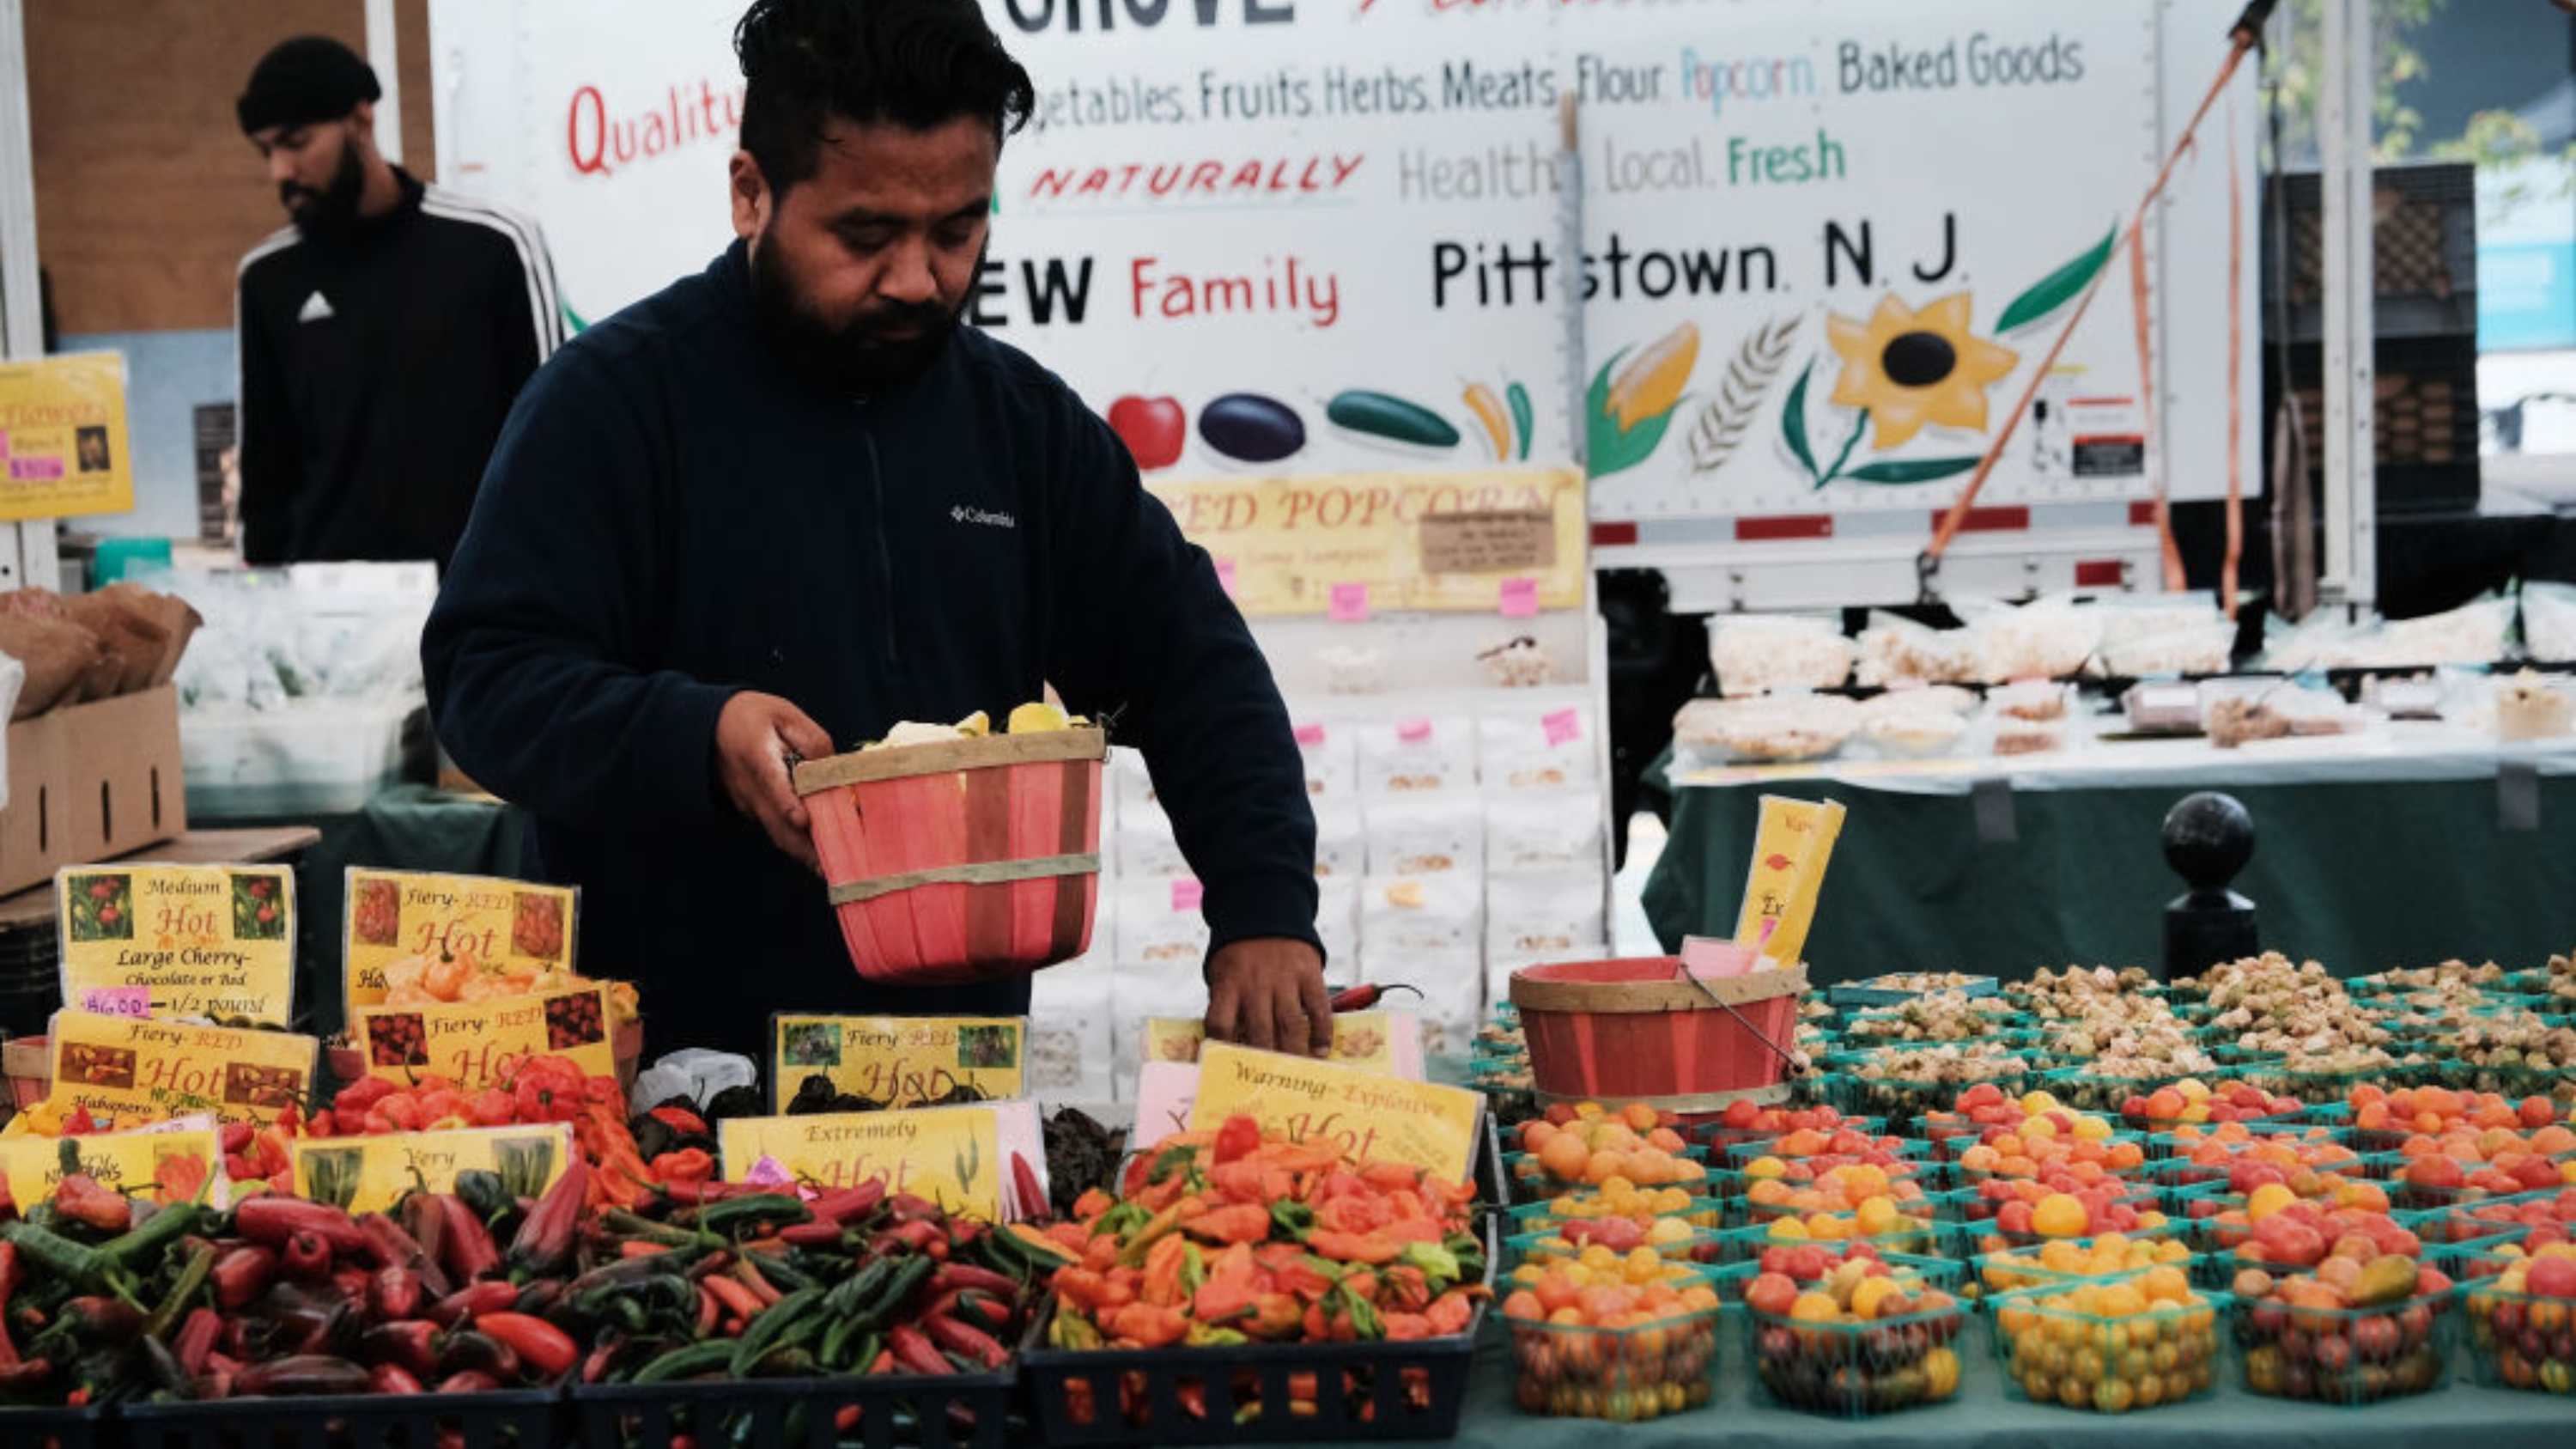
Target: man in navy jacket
787,502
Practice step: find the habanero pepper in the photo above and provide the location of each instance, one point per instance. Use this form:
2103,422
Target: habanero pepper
83,1200
689,1164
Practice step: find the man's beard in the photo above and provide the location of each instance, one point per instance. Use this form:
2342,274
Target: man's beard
853,358
332,211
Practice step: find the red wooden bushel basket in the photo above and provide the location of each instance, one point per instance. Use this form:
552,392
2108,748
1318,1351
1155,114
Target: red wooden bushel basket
966,860
1634,1030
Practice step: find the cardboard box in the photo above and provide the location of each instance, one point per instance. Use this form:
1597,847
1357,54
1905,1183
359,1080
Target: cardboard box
91,782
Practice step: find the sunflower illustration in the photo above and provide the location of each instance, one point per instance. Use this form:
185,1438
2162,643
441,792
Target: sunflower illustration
1909,368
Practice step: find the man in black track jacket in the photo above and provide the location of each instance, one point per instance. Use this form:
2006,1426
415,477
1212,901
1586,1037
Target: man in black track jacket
788,502
382,337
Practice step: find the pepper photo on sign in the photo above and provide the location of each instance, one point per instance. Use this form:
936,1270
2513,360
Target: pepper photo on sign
102,907
813,1044
376,914
537,926
259,907
988,1048
400,1040
573,1021
249,1086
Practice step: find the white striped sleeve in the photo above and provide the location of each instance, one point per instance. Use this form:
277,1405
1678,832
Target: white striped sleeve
536,266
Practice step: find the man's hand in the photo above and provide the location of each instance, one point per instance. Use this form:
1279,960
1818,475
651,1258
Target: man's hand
1269,994
753,737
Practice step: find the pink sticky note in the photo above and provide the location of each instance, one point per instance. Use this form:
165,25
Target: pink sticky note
1186,894
1520,598
1225,576
118,1000
1563,726
1413,731
1350,604
1309,735
1712,959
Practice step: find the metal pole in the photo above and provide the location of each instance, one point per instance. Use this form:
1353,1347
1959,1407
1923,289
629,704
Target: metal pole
383,52
27,556
2344,116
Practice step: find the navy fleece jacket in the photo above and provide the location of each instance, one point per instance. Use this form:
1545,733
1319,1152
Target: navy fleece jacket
671,516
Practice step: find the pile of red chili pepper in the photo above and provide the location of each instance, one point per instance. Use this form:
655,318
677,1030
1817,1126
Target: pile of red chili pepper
536,1089
1230,1237
105,1298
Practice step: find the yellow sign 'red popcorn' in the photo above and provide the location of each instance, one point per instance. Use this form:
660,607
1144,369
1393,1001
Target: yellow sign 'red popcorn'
475,1043
371,1173
446,936
899,1061
950,1155
129,1068
1368,1115
214,941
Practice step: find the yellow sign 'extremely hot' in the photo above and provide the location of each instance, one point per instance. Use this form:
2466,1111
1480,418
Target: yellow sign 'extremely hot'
133,1069
1368,1115
62,437
1378,541
371,1173
950,1155
475,1043
461,926
179,940
899,1061
163,1165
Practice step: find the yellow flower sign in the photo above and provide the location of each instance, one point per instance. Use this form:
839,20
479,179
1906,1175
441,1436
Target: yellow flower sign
1910,368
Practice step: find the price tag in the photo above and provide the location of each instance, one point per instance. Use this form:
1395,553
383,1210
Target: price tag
1413,731
1562,726
950,1155
1520,598
1367,1115
899,1061
118,1000
166,1166
1187,894
195,940
1225,576
401,926
1350,604
123,1068
475,1043
370,1174
1309,735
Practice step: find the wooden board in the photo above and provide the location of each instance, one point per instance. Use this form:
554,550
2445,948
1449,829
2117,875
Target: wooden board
146,192
198,847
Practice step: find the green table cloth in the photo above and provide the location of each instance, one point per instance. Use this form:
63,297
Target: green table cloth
2360,869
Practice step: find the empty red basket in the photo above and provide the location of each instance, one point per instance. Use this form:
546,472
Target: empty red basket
965,860
1635,1030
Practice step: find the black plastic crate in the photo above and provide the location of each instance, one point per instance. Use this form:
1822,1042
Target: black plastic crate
2424,252
53,1428
501,1419
2424,420
960,1411
1383,1390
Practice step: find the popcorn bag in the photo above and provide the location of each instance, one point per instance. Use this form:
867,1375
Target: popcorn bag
1158,923
1452,983
1536,749
1337,917
1535,830
1423,913
1144,846
1069,1034
1437,835
1417,755
1332,759
1341,840
1546,915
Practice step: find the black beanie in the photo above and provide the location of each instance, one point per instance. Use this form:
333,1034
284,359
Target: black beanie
307,79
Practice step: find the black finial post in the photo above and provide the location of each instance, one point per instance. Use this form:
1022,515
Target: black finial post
2208,837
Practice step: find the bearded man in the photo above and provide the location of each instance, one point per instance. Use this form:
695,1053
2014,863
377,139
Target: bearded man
790,501
381,337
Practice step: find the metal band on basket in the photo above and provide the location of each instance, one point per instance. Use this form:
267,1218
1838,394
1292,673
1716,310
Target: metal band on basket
987,872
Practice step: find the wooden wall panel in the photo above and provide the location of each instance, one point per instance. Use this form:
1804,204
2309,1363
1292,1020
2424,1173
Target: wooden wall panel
146,192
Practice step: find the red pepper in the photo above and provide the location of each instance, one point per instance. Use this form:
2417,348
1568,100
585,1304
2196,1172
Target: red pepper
972,1342
545,1239
272,1220
234,1137
307,1256
492,1107
1361,998
595,1367
10,1278
81,1199
324,1124
80,1123
465,1246
395,1292
689,1164
811,1235
915,1352
1237,1139
196,1341
403,1110
1024,1182
412,1343
392,1378
967,1275
472,1302
243,1274
849,1202
354,1099
680,1119
468,1381
546,1350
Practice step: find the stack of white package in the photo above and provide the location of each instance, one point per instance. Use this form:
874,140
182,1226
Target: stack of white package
1422,908
1070,1042
1544,861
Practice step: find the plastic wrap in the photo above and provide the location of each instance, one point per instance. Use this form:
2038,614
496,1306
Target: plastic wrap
1894,648
1756,654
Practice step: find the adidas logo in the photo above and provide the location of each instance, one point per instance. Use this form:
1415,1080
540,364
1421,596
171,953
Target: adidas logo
316,308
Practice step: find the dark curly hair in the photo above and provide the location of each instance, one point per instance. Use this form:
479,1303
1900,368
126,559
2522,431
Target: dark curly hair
916,63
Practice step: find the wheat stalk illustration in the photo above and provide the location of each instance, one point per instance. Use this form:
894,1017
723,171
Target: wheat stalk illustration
1729,416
